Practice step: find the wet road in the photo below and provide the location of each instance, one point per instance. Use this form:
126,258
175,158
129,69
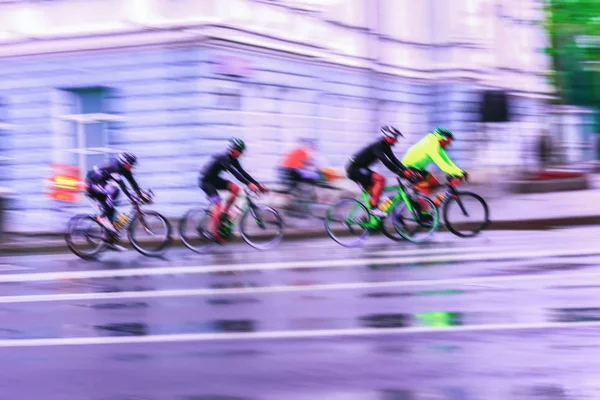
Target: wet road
509,315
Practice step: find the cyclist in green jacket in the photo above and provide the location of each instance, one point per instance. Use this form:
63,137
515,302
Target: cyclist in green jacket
432,149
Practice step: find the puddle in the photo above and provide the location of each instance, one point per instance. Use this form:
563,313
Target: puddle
115,306
575,314
126,329
451,393
131,357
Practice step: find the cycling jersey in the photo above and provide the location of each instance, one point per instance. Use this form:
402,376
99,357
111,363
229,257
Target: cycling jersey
224,162
106,194
111,170
380,150
428,150
297,158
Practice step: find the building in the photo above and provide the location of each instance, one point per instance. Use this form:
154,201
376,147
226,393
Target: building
172,79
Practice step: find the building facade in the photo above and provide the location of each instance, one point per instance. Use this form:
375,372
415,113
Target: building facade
171,80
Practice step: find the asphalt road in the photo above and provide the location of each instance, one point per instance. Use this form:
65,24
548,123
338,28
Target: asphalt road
508,315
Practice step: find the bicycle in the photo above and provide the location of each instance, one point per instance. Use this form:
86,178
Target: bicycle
97,238
421,212
452,197
304,199
197,222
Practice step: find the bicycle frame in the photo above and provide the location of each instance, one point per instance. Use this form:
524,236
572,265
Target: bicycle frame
374,223
135,211
249,204
450,192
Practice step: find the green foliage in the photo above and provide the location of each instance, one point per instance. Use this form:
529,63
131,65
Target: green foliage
574,30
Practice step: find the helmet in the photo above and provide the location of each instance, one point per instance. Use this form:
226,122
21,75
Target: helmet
127,158
237,144
443,133
388,131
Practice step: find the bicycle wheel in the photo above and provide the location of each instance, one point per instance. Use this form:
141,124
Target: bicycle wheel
352,217
150,234
194,230
418,229
265,230
472,211
389,230
85,236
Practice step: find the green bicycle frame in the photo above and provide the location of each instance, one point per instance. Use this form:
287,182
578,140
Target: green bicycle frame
374,223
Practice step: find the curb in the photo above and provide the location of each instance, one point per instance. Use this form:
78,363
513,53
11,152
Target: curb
58,245
550,186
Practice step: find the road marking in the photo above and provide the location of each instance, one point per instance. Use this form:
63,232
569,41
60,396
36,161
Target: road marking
446,250
484,282
337,263
301,334
11,267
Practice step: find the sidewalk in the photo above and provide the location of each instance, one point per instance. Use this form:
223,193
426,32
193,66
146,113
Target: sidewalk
507,212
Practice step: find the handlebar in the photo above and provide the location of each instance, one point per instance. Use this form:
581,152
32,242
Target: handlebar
451,179
250,193
134,199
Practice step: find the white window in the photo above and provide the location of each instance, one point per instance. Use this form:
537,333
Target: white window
81,127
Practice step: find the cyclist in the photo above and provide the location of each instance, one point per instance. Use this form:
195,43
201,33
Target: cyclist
432,149
358,168
100,188
299,165
211,181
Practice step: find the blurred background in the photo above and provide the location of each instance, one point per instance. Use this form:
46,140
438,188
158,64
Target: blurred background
509,314
171,80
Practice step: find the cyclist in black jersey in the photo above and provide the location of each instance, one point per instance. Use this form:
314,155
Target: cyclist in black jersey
99,187
358,169
210,181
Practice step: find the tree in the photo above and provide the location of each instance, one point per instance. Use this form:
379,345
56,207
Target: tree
574,30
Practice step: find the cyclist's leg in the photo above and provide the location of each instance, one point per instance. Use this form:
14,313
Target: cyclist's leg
367,179
378,183
293,178
99,193
425,187
215,209
362,176
234,190
112,193
428,184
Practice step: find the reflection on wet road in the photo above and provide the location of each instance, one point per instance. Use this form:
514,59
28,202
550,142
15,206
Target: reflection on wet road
519,320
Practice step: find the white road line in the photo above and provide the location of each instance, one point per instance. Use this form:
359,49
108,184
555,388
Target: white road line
11,267
485,282
302,334
445,250
337,263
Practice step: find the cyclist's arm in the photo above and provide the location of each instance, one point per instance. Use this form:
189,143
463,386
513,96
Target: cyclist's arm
440,157
241,174
129,176
388,159
119,180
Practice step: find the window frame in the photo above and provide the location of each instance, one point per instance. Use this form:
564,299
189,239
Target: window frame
79,135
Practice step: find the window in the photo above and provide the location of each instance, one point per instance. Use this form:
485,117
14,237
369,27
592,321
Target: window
227,113
81,127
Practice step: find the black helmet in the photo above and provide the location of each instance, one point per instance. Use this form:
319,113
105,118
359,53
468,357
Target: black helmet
127,158
443,133
237,144
388,131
